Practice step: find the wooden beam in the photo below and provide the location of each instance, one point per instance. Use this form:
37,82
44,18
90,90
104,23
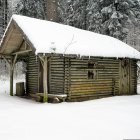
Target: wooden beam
15,59
6,59
12,65
11,79
45,83
41,58
21,52
44,62
6,56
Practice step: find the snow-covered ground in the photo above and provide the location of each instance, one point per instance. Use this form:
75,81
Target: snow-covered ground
114,118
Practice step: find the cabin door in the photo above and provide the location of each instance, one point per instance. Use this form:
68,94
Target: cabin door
124,77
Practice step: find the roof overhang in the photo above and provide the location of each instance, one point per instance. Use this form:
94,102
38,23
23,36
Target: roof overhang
15,42
24,35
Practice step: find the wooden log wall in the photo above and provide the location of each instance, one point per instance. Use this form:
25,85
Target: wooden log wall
56,75
106,82
133,77
32,76
71,76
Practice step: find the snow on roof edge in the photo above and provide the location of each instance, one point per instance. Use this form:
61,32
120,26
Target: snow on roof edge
132,53
5,32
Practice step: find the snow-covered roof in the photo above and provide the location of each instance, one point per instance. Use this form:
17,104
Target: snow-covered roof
48,37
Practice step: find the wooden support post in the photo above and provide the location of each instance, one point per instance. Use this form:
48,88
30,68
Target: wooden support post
44,62
11,79
45,97
12,65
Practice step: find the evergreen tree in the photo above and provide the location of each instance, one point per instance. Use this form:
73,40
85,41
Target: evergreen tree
31,8
73,12
110,17
51,10
94,16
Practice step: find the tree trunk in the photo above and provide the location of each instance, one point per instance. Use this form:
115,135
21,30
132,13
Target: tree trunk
51,10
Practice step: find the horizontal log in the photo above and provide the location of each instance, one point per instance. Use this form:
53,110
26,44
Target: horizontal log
57,60
56,92
32,66
89,69
94,59
84,85
33,73
33,85
92,95
78,74
56,88
82,66
57,78
32,69
91,91
91,81
33,80
95,88
57,75
57,85
73,79
108,72
33,57
57,72
57,69
57,63
60,91
84,77
31,62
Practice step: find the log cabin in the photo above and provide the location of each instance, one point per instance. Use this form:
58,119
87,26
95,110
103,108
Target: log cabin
64,61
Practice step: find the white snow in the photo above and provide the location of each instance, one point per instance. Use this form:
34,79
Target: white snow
114,118
45,35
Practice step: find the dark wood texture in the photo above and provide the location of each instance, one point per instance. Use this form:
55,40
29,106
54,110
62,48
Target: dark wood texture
105,81
20,91
32,76
70,76
56,75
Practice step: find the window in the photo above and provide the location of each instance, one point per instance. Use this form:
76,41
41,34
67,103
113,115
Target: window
90,75
92,70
